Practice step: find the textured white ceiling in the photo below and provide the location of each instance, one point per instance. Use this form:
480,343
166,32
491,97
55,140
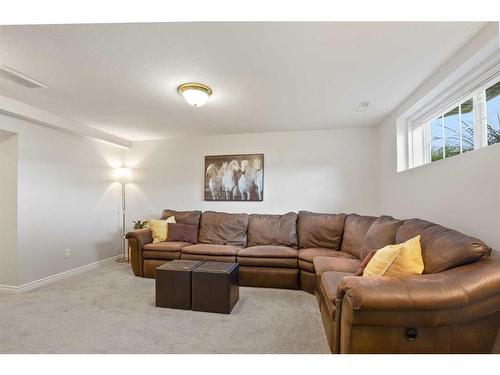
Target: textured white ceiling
122,78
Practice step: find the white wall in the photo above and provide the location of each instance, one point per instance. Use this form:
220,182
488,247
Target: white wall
8,208
65,200
323,171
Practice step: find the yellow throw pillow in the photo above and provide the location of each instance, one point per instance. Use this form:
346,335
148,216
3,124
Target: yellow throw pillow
382,260
397,260
159,228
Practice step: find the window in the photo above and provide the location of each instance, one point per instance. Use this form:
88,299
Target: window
437,145
493,113
467,124
473,122
453,132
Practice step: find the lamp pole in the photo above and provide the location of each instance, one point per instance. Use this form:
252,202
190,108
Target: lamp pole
124,241
123,176
124,258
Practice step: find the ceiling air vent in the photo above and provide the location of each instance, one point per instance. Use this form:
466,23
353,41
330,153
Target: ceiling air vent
12,75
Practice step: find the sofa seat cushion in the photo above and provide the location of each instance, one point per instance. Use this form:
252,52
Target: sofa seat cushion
330,281
306,256
268,251
209,249
309,254
325,264
267,262
166,246
328,288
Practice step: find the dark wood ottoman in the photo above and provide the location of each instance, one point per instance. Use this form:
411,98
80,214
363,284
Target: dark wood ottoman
173,284
215,287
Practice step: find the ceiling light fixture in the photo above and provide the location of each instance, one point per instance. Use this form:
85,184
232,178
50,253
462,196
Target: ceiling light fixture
362,106
195,94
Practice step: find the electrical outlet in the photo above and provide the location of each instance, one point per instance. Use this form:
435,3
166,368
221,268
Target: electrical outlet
67,253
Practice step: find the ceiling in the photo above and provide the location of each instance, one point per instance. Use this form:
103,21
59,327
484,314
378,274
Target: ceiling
122,78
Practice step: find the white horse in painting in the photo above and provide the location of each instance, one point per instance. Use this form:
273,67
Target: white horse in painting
251,177
229,183
258,177
246,181
215,181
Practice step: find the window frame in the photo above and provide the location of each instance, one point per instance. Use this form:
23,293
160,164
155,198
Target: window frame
474,89
427,130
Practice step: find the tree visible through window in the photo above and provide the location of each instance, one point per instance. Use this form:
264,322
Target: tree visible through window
437,139
453,133
493,113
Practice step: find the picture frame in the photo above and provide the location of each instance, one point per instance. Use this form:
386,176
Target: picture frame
236,177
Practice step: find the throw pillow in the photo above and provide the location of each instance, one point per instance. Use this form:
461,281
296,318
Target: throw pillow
182,232
159,229
397,260
365,262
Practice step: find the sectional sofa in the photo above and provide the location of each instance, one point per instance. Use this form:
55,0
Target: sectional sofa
453,307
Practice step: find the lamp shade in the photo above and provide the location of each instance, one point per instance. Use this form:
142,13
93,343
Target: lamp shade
122,175
195,94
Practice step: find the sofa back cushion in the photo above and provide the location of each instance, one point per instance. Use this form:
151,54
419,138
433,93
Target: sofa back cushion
280,230
355,229
411,228
183,217
220,228
320,230
380,234
444,248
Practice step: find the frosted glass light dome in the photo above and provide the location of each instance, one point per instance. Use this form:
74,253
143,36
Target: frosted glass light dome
195,94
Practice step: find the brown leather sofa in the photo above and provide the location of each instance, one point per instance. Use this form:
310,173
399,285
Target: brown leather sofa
454,307
270,259
220,237
145,255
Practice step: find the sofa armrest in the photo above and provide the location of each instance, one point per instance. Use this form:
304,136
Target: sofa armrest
453,288
136,240
142,236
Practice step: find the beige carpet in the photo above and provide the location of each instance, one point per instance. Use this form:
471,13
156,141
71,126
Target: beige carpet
108,310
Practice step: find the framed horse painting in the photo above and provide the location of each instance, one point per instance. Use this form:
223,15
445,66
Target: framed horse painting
234,177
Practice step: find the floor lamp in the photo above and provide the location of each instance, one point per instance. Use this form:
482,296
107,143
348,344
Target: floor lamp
123,176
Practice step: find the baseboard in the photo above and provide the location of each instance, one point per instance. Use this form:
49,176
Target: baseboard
56,277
